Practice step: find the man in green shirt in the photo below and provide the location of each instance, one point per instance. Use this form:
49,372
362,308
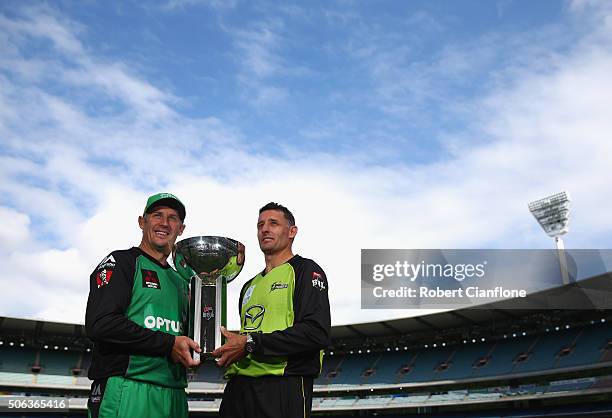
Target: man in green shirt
136,316
284,326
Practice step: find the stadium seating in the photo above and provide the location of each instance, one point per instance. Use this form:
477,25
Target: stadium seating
576,384
503,356
425,363
555,349
58,362
330,367
53,380
589,346
412,399
462,363
378,401
352,367
388,367
545,349
472,360
455,396
16,359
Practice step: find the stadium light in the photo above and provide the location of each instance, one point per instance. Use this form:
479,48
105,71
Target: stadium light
11,343
552,213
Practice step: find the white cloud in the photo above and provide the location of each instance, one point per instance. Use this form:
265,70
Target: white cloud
263,67
256,46
77,68
15,228
214,4
77,180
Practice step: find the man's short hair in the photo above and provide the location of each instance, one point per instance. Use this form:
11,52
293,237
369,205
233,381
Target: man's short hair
276,206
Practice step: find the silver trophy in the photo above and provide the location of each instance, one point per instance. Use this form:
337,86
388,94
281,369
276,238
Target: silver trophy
211,263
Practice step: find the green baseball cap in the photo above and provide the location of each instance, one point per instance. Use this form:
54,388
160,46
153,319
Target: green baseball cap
165,199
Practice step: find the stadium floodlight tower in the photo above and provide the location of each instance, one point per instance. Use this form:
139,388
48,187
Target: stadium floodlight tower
552,213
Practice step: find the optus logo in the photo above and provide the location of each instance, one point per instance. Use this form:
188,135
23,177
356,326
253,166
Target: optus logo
162,324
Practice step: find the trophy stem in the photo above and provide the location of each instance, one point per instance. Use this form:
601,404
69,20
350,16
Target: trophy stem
219,310
195,325
224,303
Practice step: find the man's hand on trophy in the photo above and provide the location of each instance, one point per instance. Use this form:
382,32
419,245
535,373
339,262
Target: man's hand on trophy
181,351
233,349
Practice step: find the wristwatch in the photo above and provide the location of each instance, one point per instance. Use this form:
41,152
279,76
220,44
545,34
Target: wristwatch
250,344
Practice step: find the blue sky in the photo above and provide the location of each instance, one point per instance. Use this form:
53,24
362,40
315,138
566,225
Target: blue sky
381,124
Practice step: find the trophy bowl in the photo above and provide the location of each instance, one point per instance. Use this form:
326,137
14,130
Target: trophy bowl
210,263
211,256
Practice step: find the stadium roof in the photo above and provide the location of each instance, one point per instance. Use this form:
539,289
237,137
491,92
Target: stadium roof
592,294
37,328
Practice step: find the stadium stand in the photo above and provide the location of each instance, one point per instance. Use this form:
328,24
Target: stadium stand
17,359
59,362
503,358
487,359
